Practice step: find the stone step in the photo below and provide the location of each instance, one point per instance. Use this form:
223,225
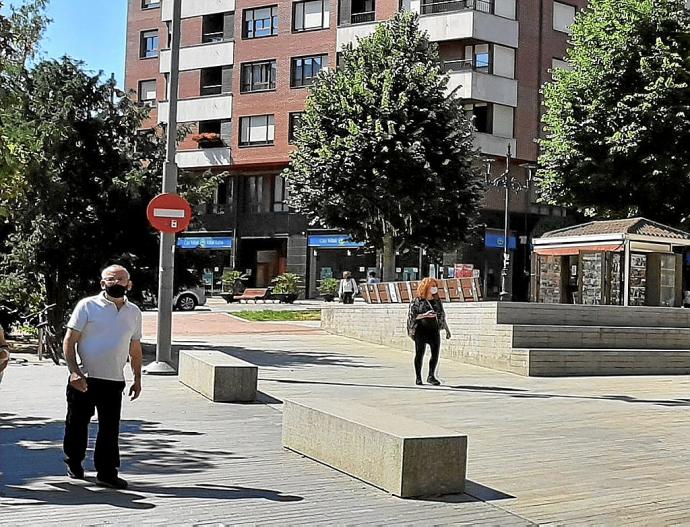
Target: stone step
557,362
579,315
600,337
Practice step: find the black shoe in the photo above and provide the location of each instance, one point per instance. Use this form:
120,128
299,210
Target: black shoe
74,470
112,482
418,382
433,380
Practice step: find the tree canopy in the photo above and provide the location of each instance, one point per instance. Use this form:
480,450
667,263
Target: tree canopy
383,152
617,126
91,172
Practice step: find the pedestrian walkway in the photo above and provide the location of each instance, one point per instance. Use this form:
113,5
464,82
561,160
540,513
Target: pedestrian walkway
599,451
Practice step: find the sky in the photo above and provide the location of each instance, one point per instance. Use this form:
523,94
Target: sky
89,30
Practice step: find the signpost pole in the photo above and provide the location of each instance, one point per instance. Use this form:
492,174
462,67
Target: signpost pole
167,240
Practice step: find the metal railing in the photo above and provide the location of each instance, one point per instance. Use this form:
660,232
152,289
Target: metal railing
216,36
211,89
450,66
362,18
447,6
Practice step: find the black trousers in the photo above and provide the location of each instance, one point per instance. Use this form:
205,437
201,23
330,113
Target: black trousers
348,298
421,339
106,397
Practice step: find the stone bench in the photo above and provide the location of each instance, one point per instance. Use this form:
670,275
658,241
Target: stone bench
218,376
405,457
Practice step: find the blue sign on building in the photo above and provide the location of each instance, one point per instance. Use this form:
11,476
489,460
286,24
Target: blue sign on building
334,241
205,242
494,240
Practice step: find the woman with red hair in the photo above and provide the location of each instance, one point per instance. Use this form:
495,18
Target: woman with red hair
425,320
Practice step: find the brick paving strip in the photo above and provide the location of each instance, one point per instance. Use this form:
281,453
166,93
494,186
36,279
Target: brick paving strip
599,451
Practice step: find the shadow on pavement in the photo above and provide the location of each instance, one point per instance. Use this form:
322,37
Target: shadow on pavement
32,449
265,358
473,492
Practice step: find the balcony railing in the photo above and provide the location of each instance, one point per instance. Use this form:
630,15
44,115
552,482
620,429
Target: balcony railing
216,36
362,18
450,66
447,6
211,89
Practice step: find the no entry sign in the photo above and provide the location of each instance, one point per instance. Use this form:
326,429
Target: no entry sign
169,213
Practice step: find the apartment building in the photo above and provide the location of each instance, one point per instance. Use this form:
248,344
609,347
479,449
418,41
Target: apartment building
246,66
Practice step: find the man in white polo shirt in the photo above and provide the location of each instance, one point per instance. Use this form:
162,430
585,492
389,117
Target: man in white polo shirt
104,331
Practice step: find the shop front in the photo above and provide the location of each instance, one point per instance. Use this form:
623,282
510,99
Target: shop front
210,252
332,254
633,262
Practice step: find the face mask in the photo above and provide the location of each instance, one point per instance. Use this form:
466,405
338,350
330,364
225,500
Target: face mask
115,291
434,290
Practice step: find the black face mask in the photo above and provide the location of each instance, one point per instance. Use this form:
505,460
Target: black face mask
115,291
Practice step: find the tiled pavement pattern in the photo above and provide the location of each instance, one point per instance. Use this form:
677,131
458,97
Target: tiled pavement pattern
578,451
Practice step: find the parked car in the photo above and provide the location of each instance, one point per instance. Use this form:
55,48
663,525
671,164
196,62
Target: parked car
186,299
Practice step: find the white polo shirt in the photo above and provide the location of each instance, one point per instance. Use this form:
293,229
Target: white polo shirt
106,334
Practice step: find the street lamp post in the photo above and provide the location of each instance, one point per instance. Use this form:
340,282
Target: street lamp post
509,183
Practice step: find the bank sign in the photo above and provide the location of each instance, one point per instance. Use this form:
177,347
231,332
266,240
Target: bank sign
205,242
496,241
333,241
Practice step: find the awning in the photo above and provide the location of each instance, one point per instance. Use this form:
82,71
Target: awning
571,251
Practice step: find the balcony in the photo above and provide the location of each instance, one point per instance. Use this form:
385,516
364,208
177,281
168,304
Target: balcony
192,8
478,86
204,158
494,145
201,56
447,25
447,6
199,109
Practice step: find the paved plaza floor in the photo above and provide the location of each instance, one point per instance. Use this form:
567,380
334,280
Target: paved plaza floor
578,451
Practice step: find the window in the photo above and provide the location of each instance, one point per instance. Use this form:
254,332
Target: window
148,44
563,17
209,134
257,130
305,69
147,92
211,81
362,11
279,194
223,199
150,4
257,194
480,113
260,22
258,76
310,15
560,64
295,122
212,28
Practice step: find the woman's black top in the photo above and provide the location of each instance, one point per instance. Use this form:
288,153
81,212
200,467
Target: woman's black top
419,306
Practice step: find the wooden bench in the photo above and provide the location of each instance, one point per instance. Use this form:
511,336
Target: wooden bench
257,293
403,456
218,376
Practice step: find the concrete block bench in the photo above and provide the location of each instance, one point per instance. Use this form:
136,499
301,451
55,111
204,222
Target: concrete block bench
405,457
218,376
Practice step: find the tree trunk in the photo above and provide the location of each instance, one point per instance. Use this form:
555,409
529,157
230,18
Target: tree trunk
388,258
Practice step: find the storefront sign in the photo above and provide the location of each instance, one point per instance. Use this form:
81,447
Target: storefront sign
333,241
494,240
204,242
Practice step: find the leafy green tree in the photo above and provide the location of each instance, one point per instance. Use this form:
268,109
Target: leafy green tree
617,126
382,151
20,33
91,173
